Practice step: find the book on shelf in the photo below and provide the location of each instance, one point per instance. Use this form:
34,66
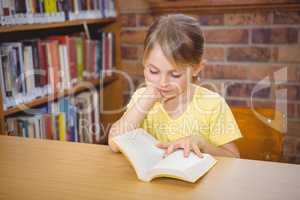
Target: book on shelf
75,118
18,12
139,147
39,67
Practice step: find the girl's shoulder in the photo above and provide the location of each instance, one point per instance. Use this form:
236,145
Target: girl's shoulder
134,96
208,98
138,92
202,92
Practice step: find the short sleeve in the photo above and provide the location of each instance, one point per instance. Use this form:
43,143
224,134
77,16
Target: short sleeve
134,98
223,127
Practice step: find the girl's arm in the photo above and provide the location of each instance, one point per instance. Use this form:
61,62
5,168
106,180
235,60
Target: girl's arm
228,150
134,116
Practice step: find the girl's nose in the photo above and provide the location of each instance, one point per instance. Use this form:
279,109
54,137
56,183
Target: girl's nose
163,82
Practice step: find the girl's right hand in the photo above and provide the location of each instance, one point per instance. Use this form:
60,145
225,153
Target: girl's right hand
152,93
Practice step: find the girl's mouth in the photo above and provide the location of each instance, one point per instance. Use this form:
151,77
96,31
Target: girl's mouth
164,91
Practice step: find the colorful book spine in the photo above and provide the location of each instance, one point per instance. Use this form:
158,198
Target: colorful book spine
62,127
37,68
73,119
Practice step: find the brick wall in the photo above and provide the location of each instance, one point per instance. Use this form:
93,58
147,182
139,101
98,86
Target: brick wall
241,50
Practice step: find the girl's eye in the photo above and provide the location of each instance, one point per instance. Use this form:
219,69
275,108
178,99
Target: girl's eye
176,75
153,71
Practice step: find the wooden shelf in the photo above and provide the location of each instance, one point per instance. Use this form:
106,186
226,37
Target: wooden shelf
29,27
208,6
80,87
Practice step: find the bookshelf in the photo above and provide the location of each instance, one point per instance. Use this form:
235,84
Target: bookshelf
108,87
30,27
80,87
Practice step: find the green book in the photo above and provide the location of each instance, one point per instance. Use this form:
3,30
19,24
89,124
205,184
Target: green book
79,57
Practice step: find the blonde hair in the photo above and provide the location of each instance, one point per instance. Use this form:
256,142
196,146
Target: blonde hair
180,38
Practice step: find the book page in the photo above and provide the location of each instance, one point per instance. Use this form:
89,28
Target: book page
191,167
139,147
177,161
201,168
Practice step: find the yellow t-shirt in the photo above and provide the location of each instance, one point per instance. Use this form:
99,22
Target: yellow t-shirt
207,114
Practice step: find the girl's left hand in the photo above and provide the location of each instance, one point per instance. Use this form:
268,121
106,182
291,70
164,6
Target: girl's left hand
189,143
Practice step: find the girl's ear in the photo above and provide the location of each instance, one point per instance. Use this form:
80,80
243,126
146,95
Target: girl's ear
198,68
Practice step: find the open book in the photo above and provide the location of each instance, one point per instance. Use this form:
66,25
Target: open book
149,161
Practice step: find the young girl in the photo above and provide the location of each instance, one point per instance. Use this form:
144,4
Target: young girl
175,111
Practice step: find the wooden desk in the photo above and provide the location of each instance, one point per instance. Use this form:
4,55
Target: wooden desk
43,169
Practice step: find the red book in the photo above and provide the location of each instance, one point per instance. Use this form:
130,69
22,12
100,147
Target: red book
70,43
48,126
87,56
62,39
72,60
55,66
43,62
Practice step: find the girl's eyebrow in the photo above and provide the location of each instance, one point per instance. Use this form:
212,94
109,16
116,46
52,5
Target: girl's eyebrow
151,65
172,70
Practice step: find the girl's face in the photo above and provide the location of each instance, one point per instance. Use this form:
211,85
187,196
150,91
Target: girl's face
168,80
